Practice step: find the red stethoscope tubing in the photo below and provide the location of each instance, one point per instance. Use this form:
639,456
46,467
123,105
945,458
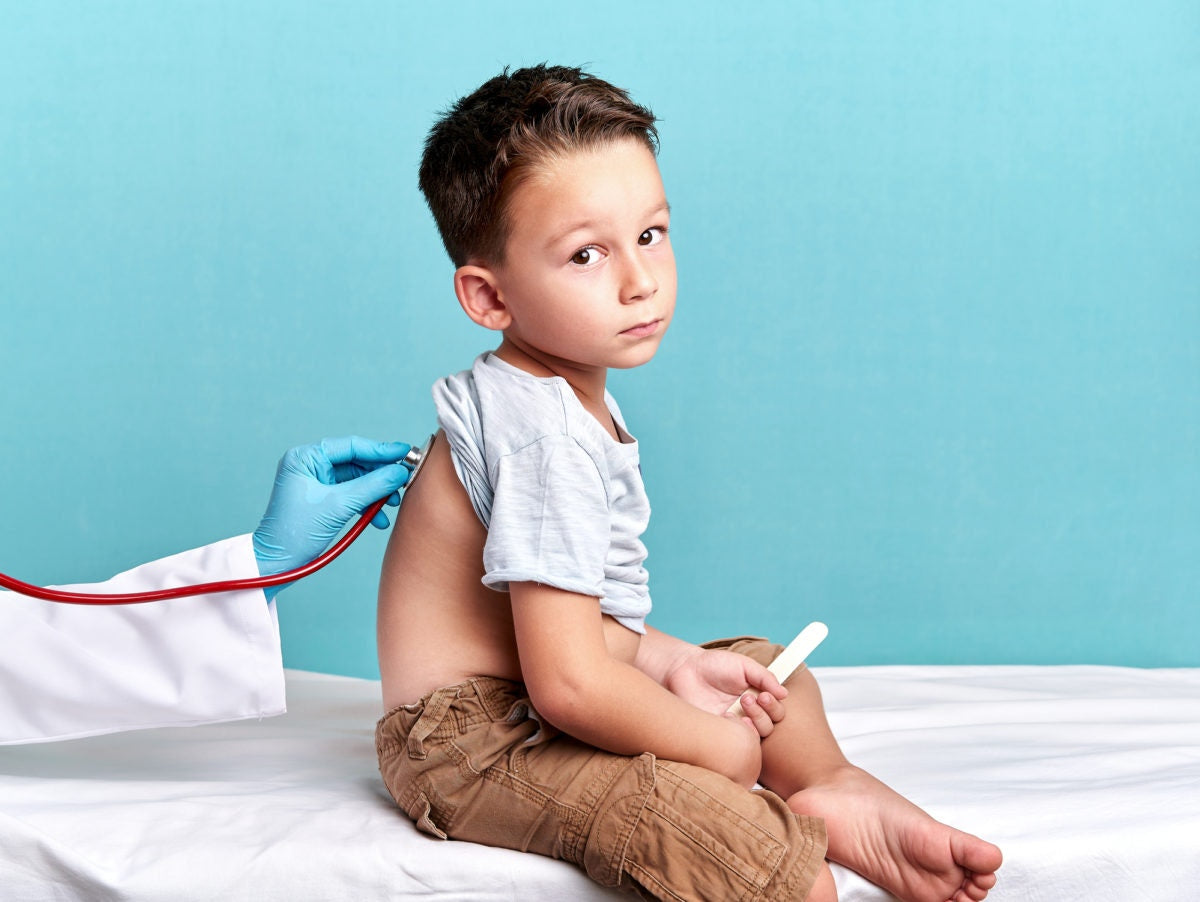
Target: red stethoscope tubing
229,585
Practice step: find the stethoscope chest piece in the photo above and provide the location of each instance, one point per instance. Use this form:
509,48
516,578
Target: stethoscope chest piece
416,457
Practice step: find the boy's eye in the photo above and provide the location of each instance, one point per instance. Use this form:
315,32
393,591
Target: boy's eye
651,236
585,256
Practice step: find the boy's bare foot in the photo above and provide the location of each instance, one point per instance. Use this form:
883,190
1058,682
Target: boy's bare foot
880,834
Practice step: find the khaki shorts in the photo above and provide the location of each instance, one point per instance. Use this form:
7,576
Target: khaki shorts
473,762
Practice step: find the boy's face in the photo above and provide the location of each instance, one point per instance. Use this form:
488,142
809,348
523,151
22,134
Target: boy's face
589,273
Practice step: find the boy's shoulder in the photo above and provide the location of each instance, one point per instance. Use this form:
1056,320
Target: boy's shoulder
506,409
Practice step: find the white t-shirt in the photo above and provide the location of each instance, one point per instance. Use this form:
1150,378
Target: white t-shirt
563,503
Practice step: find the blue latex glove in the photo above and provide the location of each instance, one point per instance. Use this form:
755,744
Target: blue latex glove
318,490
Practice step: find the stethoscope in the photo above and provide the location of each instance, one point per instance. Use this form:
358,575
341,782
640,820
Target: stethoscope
414,460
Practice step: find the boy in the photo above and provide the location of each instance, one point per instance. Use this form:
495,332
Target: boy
530,706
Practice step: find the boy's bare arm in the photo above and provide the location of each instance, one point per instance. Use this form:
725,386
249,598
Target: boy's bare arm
576,684
713,679
660,653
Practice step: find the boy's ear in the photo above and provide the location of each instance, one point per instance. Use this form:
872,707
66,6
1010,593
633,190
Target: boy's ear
479,295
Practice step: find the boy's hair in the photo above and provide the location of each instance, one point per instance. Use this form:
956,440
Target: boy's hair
489,141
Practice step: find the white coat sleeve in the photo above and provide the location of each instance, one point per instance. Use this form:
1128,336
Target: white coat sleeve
68,671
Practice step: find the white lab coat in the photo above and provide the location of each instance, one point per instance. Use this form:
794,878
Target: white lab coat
68,671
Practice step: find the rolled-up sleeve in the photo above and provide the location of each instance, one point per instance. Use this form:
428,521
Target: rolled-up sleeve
551,521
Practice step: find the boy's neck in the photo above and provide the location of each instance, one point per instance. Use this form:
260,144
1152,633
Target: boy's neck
588,383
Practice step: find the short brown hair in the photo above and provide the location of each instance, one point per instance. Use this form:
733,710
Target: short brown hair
482,147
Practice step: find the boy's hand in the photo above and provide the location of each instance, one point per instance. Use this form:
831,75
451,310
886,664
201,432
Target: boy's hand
761,710
713,679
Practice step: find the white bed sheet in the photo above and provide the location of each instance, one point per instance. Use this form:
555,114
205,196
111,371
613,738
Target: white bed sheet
1088,778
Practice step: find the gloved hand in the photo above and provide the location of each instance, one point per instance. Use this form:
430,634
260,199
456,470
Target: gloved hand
318,490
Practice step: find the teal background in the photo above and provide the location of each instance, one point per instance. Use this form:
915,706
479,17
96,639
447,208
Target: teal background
935,371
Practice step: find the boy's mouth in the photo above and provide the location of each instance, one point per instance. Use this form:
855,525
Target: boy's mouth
641,330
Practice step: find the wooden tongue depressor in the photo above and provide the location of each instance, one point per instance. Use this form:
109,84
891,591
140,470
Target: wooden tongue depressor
792,657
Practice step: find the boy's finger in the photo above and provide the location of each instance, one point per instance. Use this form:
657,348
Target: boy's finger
762,679
759,719
772,705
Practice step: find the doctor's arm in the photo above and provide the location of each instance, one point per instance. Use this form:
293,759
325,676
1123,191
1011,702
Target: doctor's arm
68,670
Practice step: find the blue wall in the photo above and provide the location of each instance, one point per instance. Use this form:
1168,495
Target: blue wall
935,373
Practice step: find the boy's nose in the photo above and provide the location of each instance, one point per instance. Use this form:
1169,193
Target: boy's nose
638,283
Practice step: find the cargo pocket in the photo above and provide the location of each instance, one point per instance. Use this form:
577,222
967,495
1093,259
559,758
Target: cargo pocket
619,798
702,837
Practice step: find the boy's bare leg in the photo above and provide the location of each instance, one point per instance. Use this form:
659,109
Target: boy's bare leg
872,829
824,889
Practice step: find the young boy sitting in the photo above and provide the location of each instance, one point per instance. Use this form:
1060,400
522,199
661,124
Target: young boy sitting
530,705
